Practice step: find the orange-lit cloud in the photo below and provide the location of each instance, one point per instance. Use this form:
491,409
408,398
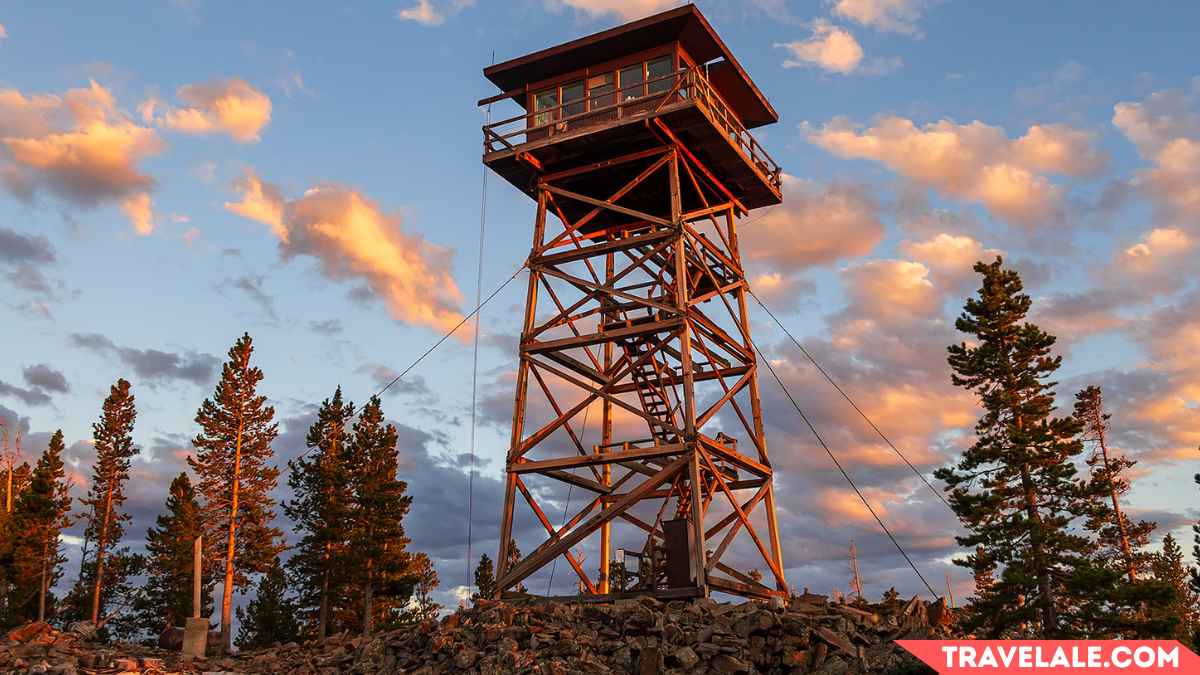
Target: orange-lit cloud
816,225
973,161
80,147
899,16
829,47
231,106
622,9
354,240
950,258
1166,130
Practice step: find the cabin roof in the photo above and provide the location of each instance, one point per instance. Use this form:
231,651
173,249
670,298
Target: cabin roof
685,24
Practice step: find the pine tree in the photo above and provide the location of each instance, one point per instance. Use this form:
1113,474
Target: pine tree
321,509
41,514
377,548
17,481
1120,542
170,567
485,579
514,557
1169,569
233,449
1015,490
423,608
113,439
270,618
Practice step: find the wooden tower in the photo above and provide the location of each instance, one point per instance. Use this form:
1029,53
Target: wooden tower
634,143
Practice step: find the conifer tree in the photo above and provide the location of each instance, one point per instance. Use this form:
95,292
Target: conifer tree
18,480
485,579
1015,490
233,451
377,548
321,507
170,573
423,607
514,557
1169,569
270,618
1120,542
41,514
113,439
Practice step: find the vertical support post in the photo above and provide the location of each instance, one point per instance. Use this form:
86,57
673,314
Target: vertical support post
699,554
195,630
196,562
606,428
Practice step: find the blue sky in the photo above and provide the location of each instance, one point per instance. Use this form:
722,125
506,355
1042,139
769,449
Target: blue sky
916,136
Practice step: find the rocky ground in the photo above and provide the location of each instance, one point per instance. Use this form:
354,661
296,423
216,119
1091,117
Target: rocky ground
640,636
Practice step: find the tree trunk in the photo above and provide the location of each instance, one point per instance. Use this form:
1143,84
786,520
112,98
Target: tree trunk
369,601
8,489
42,581
227,591
100,546
1098,422
323,612
1045,590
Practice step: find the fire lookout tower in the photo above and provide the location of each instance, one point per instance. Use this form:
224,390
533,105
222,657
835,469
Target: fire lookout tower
635,144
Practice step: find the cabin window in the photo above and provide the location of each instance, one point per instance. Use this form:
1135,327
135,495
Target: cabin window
633,80
545,104
657,75
600,91
572,98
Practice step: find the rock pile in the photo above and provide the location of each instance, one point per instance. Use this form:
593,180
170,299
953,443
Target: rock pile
644,636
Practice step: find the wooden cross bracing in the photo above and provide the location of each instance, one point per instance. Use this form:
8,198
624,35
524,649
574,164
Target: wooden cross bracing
636,269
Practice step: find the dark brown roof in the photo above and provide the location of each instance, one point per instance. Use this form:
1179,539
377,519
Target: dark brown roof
685,24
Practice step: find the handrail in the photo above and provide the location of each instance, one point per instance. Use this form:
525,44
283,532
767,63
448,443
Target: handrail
686,85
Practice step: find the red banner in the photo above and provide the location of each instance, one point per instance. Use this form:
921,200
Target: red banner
997,657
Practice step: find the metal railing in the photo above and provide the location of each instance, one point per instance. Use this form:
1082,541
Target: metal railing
635,101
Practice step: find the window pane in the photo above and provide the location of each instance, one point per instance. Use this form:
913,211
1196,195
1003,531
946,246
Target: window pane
572,98
545,101
632,81
659,70
600,90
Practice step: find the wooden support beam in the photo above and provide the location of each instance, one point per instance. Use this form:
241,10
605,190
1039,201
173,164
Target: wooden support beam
594,459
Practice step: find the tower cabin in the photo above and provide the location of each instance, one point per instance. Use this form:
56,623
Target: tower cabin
666,79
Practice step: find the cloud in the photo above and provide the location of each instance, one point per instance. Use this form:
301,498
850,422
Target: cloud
3,32
326,327
1153,264
252,286
232,107
431,13
27,396
79,147
950,258
816,225
625,10
1166,130
886,289
354,241
898,16
42,376
153,365
973,161
16,247
830,48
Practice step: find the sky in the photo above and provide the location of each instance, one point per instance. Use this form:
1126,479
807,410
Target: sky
174,176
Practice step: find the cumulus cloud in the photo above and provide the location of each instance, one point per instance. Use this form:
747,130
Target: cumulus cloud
153,365
950,258
232,107
973,161
898,16
3,33
835,50
431,12
622,9
1166,130
79,147
42,376
1154,263
816,225
353,240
